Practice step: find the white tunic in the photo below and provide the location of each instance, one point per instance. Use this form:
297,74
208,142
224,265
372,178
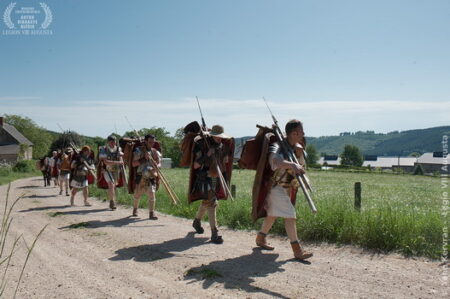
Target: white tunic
278,201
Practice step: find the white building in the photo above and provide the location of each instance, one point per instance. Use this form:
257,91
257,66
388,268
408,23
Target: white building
390,162
433,162
166,163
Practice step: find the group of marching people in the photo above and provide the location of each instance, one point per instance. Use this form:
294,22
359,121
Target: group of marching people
76,169
209,155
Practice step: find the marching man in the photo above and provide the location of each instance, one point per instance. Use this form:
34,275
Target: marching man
81,166
110,157
64,166
216,149
280,198
146,174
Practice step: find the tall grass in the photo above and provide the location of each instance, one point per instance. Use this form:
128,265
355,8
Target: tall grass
6,257
399,213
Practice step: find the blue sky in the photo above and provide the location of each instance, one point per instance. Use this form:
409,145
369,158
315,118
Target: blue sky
336,65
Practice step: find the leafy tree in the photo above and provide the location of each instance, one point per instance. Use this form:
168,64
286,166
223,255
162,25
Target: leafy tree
66,139
95,142
312,157
40,137
351,156
179,134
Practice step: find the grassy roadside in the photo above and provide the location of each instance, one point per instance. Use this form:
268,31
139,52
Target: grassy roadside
23,170
400,213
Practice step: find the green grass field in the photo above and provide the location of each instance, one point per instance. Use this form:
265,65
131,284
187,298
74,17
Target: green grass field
399,213
9,173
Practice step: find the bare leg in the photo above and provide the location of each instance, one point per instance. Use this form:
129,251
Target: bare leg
85,195
267,224
137,197
151,202
72,198
60,185
136,201
201,211
111,191
197,224
212,216
112,195
291,228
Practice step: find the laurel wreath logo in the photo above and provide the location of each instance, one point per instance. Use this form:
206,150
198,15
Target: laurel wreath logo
48,15
7,15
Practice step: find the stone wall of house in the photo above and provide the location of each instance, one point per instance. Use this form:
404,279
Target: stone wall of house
8,158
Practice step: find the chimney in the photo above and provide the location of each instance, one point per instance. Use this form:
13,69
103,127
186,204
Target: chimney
1,121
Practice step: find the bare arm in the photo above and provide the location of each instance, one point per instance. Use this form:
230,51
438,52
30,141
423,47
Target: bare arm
277,162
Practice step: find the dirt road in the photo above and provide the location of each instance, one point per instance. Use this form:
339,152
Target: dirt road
111,255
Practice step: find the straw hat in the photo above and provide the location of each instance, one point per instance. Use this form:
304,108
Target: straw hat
217,131
86,147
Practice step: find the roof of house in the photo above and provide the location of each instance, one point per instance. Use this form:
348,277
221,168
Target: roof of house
390,161
11,149
379,162
11,130
428,158
330,162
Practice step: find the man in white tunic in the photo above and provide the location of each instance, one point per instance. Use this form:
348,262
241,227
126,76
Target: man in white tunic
280,197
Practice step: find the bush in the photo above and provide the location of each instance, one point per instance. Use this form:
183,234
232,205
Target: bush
351,156
418,170
5,170
24,166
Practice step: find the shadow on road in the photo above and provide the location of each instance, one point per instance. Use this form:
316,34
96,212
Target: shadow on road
239,272
83,212
153,252
40,196
33,187
45,208
109,223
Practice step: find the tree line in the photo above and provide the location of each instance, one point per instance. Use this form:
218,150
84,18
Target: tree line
45,141
351,156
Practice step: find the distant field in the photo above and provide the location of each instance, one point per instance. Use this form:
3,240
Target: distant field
399,212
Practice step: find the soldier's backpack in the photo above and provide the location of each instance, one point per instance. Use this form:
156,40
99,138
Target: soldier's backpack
191,131
128,146
251,151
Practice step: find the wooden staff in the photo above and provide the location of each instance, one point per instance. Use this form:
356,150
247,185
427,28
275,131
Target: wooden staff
166,185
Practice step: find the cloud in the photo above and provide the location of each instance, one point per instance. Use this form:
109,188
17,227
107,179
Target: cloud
239,117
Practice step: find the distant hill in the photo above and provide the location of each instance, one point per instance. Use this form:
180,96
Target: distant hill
370,143
391,144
